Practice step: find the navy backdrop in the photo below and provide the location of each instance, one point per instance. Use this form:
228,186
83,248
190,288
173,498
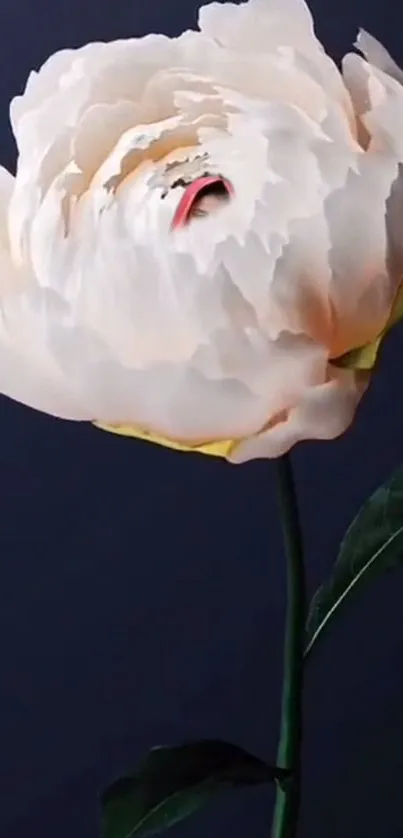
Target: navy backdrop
142,591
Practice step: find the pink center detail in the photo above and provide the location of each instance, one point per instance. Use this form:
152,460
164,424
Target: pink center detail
191,195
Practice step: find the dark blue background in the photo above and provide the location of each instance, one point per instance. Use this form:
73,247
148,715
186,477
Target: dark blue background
142,591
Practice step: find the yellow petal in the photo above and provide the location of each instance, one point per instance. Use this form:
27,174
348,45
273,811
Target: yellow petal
221,448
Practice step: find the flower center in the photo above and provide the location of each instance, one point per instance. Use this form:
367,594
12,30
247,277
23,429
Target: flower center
202,197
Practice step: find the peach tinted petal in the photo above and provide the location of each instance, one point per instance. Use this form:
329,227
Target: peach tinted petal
363,287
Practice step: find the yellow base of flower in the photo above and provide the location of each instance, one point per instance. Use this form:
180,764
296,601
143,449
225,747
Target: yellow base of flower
363,358
221,448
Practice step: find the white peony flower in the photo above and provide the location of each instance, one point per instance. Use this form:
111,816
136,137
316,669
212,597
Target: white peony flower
209,320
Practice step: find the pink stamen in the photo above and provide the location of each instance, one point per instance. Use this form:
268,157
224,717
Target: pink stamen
191,195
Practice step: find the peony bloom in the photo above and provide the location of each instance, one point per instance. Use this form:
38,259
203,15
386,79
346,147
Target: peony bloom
200,228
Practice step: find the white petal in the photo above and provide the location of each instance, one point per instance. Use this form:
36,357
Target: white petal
324,412
41,85
197,399
363,286
6,188
258,24
12,278
376,54
272,27
28,370
72,80
378,102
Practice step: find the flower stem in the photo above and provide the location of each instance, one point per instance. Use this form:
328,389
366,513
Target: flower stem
285,822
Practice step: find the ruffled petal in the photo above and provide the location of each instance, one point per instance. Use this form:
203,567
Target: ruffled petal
324,412
29,372
13,278
274,28
227,388
377,55
364,282
257,25
378,102
6,189
71,80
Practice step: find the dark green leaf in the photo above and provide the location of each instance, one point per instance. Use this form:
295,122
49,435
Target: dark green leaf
373,544
172,783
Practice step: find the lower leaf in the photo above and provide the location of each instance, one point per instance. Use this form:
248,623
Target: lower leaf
172,783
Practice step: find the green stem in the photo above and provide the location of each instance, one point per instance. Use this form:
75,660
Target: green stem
285,822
